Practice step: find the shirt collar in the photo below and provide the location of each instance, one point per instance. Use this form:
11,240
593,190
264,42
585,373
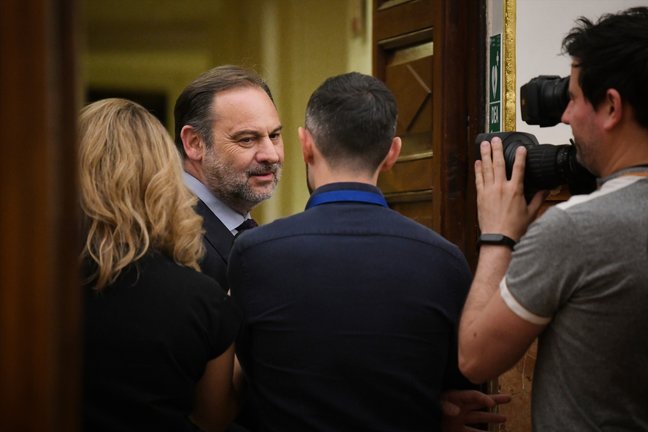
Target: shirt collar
346,192
347,186
229,217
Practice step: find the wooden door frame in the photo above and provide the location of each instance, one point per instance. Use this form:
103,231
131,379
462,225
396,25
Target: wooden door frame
459,98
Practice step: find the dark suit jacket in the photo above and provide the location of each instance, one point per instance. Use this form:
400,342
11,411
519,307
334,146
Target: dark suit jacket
218,242
350,313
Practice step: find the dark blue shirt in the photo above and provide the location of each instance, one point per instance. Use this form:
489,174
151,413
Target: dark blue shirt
350,313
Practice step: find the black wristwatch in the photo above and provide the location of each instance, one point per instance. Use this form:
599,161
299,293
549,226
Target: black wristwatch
495,239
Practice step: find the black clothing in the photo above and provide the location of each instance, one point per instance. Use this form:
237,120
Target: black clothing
148,337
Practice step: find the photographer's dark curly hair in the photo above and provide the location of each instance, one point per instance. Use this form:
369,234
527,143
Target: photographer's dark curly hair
613,53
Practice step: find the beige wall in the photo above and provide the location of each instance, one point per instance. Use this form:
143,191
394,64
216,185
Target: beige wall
162,45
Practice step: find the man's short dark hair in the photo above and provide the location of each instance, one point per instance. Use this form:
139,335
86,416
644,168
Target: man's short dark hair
613,53
352,118
193,106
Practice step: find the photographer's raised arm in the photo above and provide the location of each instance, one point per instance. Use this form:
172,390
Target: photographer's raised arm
491,336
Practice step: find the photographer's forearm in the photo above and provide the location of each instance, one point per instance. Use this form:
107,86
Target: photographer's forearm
492,338
492,265
475,330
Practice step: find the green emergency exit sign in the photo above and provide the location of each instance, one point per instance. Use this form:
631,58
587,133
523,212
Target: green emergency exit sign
495,84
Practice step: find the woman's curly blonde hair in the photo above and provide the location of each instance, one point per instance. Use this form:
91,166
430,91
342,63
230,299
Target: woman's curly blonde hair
132,194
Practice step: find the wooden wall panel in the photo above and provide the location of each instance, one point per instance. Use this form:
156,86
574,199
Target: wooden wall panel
39,287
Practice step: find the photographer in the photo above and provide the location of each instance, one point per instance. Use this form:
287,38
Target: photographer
578,277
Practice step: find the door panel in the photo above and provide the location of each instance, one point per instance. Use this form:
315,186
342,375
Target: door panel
409,80
400,17
428,54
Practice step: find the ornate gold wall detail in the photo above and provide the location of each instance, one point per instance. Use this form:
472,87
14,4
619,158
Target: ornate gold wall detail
518,381
509,65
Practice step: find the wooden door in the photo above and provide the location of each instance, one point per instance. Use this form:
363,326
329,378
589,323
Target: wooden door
428,52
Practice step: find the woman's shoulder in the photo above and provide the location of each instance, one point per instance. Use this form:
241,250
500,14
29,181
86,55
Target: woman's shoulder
157,278
164,271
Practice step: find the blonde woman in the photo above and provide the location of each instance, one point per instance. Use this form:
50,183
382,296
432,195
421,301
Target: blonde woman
158,334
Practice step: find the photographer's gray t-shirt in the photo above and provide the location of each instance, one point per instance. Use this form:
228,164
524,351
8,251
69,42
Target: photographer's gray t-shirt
582,269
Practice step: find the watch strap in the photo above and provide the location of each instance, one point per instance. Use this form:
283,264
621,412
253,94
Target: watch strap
495,239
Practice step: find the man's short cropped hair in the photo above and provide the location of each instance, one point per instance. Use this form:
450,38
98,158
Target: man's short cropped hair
352,118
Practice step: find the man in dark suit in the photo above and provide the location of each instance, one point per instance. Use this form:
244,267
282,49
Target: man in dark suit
228,132
350,309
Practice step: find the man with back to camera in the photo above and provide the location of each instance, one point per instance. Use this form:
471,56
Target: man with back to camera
578,278
350,309
228,132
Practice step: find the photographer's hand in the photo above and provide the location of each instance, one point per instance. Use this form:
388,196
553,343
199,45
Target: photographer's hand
501,205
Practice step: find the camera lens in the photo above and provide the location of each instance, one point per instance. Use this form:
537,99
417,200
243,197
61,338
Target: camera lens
544,99
554,101
547,166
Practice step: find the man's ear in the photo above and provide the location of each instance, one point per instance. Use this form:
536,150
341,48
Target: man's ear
392,154
613,109
193,144
306,140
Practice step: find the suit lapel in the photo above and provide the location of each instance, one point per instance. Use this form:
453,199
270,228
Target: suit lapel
216,233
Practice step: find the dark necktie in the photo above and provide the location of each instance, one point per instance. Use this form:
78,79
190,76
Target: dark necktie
246,225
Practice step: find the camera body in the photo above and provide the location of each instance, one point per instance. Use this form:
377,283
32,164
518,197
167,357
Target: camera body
543,101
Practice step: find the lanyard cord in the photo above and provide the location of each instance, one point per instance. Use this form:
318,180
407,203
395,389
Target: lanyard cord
638,171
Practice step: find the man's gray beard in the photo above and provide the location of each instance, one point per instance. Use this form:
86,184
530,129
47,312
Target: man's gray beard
232,187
